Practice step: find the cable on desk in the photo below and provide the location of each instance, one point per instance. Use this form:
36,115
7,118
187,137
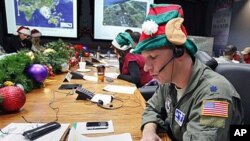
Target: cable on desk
110,106
55,109
138,103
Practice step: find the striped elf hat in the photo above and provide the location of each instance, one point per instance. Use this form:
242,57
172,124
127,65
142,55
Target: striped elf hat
123,41
163,27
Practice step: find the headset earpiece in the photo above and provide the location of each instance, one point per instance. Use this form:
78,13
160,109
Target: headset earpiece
178,51
110,106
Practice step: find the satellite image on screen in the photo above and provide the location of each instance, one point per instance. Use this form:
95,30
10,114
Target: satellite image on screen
44,13
125,13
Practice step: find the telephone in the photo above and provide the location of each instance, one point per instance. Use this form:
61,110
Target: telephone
76,75
83,94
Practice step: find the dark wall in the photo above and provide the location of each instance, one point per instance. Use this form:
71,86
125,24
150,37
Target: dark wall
240,25
195,12
1,24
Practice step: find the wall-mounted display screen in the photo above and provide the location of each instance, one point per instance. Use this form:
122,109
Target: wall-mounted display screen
55,18
114,16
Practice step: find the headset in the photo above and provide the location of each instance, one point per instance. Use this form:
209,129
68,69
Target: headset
110,106
178,51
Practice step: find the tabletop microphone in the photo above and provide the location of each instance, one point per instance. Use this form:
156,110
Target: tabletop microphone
166,63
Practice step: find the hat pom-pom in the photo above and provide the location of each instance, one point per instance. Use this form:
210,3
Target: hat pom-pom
149,27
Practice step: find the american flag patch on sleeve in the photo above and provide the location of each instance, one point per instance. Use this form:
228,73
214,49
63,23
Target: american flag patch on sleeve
214,108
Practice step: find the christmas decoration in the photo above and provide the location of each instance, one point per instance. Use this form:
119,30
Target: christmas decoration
20,86
86,54
13,69
73,61
14,66
61,54
12,98
31,55
50,71
149,27
49,50
8,83
65,67
38,72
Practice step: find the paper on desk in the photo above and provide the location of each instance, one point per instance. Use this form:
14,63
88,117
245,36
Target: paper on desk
76,136
105,98
16,130
120,89
111,75
90,78
82,129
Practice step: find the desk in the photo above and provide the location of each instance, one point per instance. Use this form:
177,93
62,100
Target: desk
36,109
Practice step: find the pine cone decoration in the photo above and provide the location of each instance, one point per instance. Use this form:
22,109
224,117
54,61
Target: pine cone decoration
13,98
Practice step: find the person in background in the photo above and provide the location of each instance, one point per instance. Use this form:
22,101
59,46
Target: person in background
129,31
246,55
135,36
131,65
229,55
23,42
36,39
192,101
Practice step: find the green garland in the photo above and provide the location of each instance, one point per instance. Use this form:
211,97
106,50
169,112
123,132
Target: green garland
57,58
13,67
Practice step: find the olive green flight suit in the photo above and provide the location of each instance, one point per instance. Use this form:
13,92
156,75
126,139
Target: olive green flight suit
190,118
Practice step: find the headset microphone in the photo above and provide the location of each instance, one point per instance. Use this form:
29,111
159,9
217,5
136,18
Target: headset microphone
167,63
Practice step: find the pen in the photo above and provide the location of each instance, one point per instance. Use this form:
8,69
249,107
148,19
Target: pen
66,135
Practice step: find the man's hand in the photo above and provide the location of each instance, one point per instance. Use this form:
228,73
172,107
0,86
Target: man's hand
149,133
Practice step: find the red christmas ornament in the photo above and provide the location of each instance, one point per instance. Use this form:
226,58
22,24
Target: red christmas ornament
86,54
50,70
13,98
77,54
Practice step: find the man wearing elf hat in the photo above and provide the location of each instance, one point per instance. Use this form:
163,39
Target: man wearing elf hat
131,65
192,102
22,42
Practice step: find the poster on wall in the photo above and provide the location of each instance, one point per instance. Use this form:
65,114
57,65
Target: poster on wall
55,18
221,25
114,16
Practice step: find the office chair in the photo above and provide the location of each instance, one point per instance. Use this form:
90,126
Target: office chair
239,76
206,59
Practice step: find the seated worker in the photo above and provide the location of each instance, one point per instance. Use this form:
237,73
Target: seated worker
229,55
35,39
131,65
22,42
246,55
192,101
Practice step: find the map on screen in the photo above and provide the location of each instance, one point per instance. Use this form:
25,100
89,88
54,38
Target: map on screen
52,17
114,16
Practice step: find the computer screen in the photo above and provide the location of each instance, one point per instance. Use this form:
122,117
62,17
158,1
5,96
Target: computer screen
55,18
114,16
